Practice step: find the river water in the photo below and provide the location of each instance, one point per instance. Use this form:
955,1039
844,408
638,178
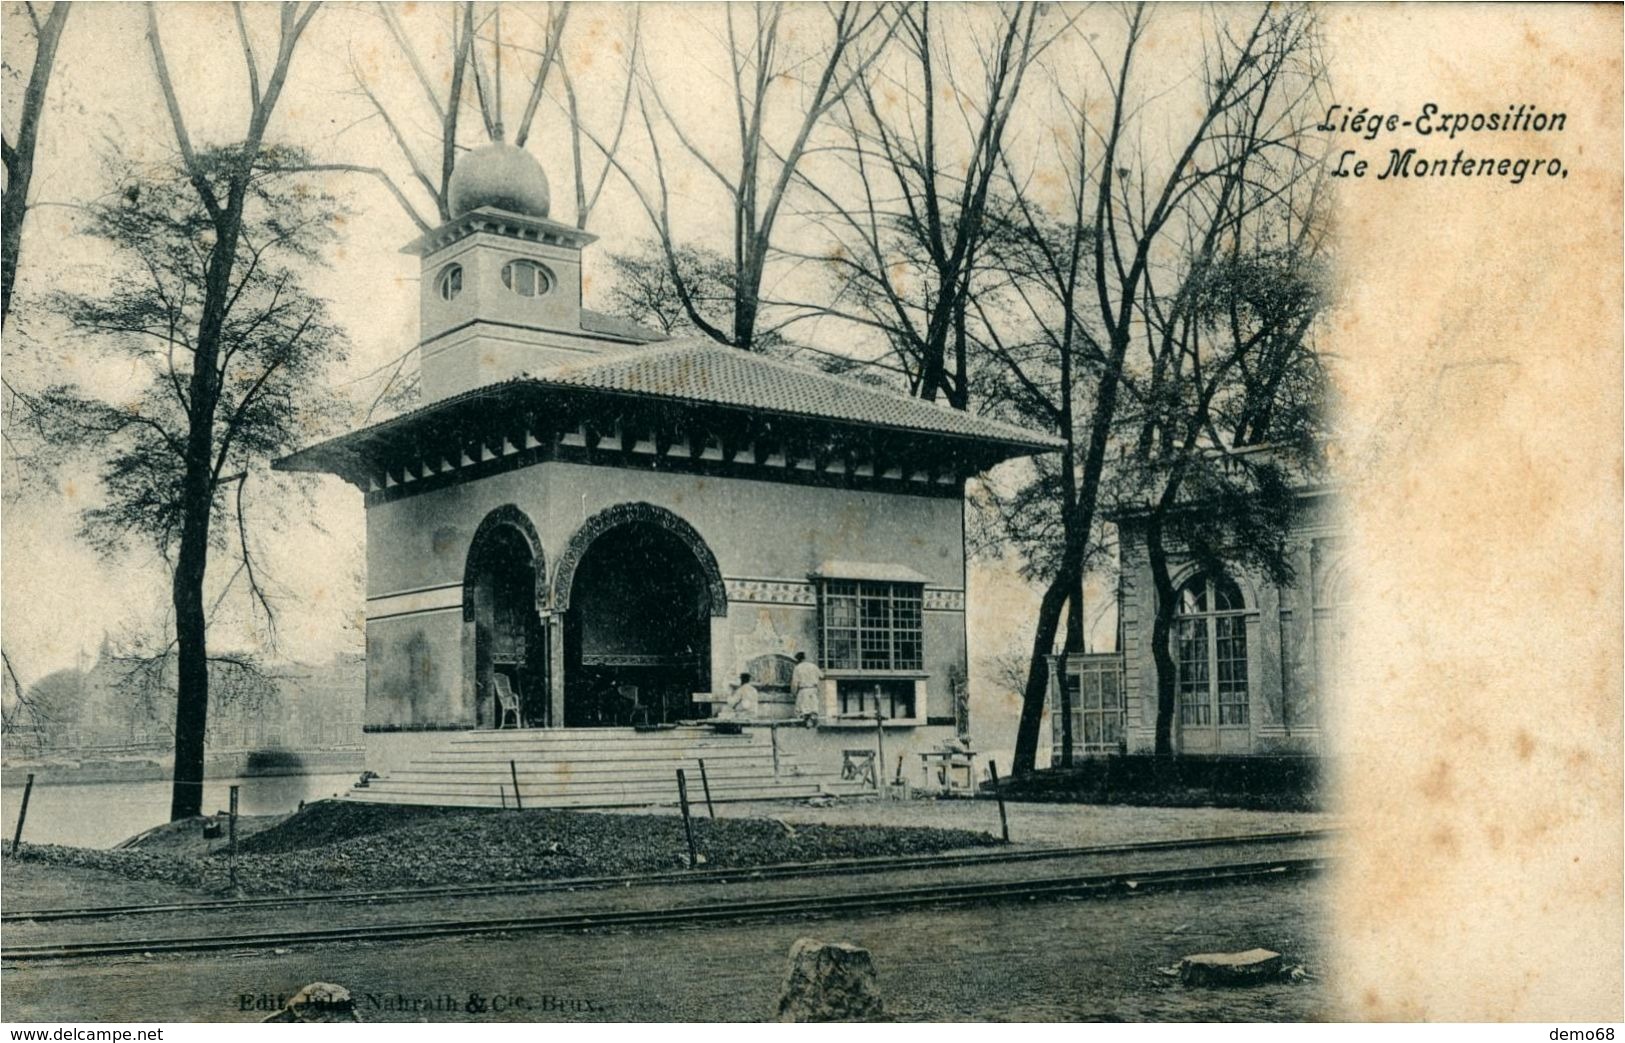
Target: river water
100,814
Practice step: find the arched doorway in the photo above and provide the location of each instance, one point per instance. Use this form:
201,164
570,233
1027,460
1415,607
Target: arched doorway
504,581
638,589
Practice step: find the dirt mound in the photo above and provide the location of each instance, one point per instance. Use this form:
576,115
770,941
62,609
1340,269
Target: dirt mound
332,821
334,846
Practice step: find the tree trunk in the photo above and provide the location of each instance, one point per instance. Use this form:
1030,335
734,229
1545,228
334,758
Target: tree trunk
1074,643
19,157
1032,698
1162,655
192,654
1074,619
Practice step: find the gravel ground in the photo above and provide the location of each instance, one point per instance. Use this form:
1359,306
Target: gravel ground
1042,961
1039,824
33,885
666,894
334,846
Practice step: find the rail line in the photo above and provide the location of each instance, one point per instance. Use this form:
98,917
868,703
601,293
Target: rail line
783,870
1071,886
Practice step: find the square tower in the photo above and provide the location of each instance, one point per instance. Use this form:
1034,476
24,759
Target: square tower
500,293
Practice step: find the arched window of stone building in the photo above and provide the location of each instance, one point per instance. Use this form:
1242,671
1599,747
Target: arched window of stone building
1210,652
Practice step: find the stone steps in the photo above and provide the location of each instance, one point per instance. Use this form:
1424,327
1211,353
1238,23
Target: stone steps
468,798
598,767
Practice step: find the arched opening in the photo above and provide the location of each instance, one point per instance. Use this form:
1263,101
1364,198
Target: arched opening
504,574
637,630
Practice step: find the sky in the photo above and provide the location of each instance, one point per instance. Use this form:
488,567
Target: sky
58,597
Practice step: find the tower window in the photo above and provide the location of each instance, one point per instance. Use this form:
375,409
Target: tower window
449,283
526,278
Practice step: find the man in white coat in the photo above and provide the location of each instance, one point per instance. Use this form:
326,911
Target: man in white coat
806,681
742,702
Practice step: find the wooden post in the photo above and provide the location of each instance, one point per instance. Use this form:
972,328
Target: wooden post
518,803
688,827
998,794
880,743
231,833
22,813
706,782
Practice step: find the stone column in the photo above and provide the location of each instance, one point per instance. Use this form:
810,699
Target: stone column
554,626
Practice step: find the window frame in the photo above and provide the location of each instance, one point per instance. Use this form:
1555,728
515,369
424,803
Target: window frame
443,282
1099,708
871,628
541,282
1209,638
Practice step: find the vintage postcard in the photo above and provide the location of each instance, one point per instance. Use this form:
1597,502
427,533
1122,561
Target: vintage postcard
721,512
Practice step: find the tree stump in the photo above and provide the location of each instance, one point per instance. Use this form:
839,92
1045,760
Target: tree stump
1231,968
829,981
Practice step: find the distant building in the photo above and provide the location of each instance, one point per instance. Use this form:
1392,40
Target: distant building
1254,661
613,527
113,705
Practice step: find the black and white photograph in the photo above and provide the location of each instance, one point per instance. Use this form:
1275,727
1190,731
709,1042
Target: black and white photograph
810,512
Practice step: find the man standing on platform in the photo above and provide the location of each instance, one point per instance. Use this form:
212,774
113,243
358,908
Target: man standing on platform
806,681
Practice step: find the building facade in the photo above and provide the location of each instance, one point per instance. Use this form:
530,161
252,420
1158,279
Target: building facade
1255,662
585,525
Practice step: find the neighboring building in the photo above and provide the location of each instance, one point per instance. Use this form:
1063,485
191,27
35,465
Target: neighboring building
1254,661
115,706
608,525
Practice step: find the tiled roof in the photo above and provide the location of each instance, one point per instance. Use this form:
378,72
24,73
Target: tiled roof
615,326
703,371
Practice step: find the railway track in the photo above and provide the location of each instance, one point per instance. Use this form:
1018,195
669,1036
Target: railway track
837,867
823,905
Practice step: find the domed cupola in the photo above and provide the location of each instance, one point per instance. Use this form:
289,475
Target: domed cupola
500,292
499,175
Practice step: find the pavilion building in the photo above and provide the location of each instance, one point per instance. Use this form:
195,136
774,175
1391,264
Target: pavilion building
613,526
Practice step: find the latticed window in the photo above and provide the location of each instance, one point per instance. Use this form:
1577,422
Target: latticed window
871,626
1210,651
1095,691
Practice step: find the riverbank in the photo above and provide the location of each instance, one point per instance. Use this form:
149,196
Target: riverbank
76,771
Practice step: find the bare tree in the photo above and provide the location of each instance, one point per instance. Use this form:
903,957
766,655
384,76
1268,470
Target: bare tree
18,151
465,90
645,292
1233,368
909,200
1147,223
233,372
211,405
476,52
760,58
